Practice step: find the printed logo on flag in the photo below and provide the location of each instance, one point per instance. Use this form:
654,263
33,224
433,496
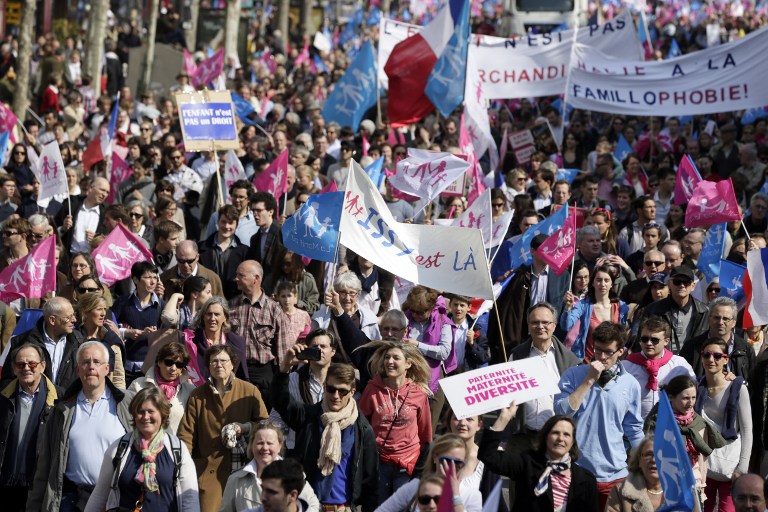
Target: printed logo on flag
314,229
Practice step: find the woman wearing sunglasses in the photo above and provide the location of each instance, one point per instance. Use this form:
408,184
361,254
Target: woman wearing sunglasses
546,479
448,452
718,398
169,373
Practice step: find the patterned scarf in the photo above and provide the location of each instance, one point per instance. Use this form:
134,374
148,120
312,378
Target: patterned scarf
149,451
558,467
330,441
684,422
166,386
651,366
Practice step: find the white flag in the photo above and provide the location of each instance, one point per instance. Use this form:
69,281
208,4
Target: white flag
233,171
425,174
478,216
51,173
476,116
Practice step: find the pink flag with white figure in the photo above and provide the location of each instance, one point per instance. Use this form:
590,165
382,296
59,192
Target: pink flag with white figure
121,172
233,171
32,276
712,203
51,173
478,215
687,178
274,179
424,174
476,187
558,250
7,118
302,57
208,70
117,253
189,63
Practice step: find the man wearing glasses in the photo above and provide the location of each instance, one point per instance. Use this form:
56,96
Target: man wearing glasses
347,476
55,333
605,401
187,265
723,313
686,315
654,365
636,292
82,426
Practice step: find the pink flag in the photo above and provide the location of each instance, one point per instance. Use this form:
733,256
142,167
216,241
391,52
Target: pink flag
7,119
558,250
366,144
712,203
466,147
330,187
189,63
117,253
121,172
268,60
687,178
208,70
446,497
302,57
274,179
32,276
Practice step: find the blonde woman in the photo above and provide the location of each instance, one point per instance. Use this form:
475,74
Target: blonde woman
92,313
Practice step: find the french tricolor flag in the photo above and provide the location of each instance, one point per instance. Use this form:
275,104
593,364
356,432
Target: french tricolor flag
411,62
756,289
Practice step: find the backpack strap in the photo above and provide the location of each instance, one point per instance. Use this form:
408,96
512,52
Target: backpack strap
122,448
176,452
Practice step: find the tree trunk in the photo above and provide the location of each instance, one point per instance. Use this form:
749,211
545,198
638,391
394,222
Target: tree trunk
97,33
145,83
230,28
191,33
282,21
306,16
385,6
26,33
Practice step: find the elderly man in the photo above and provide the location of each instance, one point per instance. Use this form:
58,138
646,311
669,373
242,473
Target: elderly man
187,265
685,314
55,333
748,493
654,365
636,292
692,244
352,479
87,218
261,322
673,254
722,317
82,426
25,406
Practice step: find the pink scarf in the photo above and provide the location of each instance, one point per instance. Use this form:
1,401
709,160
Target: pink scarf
166,386
685,420
651,366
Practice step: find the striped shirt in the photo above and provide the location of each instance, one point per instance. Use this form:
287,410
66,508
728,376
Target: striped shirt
262,324
560,485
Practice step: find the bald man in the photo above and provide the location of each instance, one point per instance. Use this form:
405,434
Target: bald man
748,493
187,265
87,219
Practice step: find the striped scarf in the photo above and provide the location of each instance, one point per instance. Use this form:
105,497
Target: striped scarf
149,451
558,467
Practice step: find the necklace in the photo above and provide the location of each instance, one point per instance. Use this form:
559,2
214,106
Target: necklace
655,493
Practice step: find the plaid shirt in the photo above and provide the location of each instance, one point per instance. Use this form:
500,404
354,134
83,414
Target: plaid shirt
262,324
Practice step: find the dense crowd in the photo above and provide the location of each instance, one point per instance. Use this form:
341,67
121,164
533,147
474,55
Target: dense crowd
232,374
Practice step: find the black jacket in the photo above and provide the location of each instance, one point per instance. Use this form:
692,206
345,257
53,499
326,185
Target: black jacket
271,249
525,469
758,401
741,361
663,308
224,264
305,420
77,202
68,369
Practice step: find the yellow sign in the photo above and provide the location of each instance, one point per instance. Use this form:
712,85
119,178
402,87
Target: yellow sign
13,13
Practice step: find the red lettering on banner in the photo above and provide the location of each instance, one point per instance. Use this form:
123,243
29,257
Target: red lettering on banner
430,261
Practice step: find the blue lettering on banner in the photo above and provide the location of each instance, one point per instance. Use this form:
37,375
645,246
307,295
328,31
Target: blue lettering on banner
208,121
381,230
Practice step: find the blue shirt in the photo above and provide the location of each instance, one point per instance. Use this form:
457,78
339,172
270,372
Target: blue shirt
56,351
605,415
335,489
94,427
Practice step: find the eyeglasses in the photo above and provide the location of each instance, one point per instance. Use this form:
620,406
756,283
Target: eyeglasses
80,265
87,289
187,262
178,364
219,362
71,317
136,215
607,353
38,236
19,153
459,463
390,329
350,294
724,319
654,263
652,339
95,362
498,205
146,129
716,355
713,290
426,499
332,390
9,233
541,323
20,365
681,282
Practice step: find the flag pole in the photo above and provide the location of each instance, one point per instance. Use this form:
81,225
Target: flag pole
501,333
218,176
564,118
333,269
745,229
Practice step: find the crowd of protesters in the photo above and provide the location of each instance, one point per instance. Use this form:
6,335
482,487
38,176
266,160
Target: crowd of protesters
231,374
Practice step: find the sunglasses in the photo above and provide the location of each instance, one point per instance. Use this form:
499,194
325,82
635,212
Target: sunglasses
10,233
713,290
426,499
188,262
332,390
86,289
459,463
681,282
716,355
19,153
136,215
20,365
40,236
654,263
652,339
178,364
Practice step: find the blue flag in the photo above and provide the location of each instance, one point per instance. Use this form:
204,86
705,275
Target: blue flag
731,279
712,251
319,64
674,49
567,174
243,109
674,467
4,139
374,16
112,126
355,92
445,85
313,231
375,171
753,114
511,256
350,30
622,148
